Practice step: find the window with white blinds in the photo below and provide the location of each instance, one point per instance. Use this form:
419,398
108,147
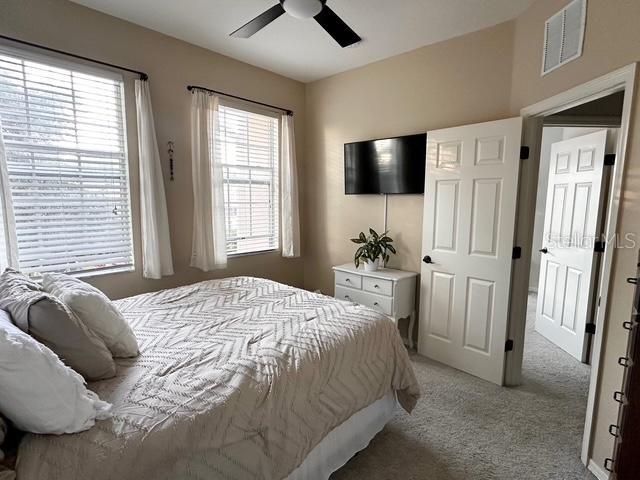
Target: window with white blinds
247,145
64,135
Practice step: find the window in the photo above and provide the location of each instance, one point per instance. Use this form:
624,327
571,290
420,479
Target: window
64,135
247,148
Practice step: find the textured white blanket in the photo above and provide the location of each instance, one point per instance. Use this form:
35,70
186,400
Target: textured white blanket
237,378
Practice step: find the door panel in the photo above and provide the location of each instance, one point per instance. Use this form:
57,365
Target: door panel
557,221
445,224
586,159
448,155
468,228
582,205
550,289
479,312
441,297
571,296
490,151
565,288
485,216
562,162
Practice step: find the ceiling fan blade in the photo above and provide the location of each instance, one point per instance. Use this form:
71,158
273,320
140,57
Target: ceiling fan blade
334,26
259,22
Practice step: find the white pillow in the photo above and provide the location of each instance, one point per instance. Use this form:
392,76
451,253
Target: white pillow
38,392
95,310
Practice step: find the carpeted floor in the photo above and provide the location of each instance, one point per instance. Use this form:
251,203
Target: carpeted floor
467,429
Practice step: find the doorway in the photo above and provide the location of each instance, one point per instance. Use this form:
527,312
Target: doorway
558,112
576,158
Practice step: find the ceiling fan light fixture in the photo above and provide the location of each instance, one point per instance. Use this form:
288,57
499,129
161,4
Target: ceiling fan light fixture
302,9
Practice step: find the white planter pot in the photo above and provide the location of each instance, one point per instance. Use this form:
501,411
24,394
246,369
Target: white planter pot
372,266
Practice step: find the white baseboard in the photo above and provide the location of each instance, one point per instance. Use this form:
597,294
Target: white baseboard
599,472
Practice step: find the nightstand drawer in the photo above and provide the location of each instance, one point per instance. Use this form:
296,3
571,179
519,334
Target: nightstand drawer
378,302
378,285
375,302
348,279
348,294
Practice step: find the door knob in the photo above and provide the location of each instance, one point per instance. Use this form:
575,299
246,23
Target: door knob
544,250
427,259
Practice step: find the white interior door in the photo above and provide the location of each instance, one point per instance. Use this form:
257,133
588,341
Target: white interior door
565,285
468,230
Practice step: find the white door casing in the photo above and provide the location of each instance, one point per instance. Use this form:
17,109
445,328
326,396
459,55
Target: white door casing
470,202
571,223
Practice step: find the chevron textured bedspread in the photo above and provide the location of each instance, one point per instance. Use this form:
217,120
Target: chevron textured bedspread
238,378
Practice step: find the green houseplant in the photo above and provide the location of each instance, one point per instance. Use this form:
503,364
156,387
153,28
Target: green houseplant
372,248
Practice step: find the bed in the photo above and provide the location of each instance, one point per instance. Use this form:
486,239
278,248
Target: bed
239,378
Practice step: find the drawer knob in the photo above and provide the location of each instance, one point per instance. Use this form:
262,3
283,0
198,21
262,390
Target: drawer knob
376,304
347,297
348,280
376,286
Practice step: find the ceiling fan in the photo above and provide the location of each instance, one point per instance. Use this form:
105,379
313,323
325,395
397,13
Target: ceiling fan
303,9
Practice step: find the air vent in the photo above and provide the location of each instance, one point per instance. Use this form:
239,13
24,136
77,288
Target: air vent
564,35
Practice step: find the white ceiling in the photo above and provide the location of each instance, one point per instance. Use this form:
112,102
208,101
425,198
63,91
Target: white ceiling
300,49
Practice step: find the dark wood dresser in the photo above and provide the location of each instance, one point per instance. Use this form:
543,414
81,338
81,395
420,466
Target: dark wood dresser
626,459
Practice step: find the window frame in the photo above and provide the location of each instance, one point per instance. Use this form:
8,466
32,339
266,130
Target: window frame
246,106
60,61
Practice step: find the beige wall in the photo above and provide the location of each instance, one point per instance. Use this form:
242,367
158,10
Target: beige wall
171,65
463,80
611,41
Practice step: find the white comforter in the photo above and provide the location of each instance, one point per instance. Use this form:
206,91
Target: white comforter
238,378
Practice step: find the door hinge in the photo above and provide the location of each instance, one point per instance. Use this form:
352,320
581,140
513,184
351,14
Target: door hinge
610,159
590,328
608,464
598,247
516,253
508,345
524,152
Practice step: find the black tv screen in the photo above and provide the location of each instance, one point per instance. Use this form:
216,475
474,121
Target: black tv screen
390,165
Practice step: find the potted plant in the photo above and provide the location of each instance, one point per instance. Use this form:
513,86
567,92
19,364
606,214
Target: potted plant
372,248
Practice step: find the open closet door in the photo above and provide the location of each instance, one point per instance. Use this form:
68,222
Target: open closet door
467,242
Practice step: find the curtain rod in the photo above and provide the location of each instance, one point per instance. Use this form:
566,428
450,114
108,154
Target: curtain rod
191,88
143,76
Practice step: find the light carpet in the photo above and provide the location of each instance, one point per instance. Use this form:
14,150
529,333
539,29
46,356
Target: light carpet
464,428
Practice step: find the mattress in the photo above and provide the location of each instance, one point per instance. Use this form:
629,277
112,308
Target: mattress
239,378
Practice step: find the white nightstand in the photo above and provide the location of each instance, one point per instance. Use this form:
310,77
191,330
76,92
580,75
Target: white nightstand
389,291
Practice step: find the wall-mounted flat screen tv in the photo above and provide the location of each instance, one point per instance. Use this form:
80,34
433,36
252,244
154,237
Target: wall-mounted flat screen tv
390,165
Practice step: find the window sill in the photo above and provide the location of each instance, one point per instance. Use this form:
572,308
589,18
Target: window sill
101,273
37,277
250,254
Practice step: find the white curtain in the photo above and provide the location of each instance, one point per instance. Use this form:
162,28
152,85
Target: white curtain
289,191
156,242
209,244
8,237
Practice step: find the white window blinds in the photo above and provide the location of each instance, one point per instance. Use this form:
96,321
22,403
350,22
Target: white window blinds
64,134
247,147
